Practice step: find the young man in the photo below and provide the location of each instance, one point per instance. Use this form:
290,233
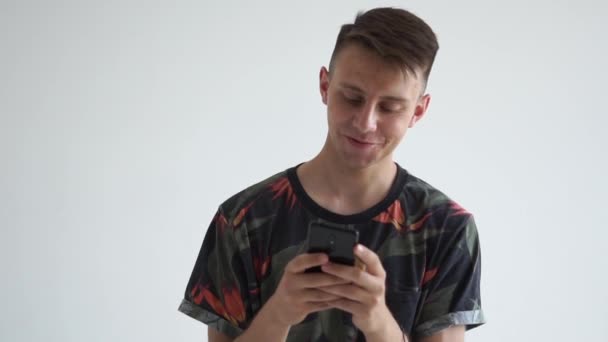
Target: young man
420,249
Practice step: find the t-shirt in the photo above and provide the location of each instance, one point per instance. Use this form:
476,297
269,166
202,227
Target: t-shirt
427,243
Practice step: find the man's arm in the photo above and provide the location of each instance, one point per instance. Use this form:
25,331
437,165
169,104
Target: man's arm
296,296
451,334
264,327
216,336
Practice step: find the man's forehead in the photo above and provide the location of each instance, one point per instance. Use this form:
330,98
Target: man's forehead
395,86
399,96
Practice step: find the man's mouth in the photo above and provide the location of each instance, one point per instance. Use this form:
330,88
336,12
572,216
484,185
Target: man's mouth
360,141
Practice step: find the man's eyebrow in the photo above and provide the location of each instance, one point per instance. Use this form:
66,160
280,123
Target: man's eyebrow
359,90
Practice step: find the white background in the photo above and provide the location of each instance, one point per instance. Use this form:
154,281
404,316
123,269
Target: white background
124,124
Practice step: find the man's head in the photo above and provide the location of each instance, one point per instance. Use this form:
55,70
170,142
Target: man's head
396,35
374,88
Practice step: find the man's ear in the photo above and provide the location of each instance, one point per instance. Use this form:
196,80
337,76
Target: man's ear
324,84
420,110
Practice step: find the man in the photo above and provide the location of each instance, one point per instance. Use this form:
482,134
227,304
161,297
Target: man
420,249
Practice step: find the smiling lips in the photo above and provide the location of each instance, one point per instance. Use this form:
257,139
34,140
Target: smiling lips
361,143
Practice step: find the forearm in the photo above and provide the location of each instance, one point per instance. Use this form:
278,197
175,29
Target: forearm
391,332
265,327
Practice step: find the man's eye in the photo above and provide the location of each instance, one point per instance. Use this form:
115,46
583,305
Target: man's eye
389,109
354,100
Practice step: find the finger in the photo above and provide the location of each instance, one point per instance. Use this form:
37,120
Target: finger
347,305
317,296
316,307
348,291
355,276
315,280
304,261
370,259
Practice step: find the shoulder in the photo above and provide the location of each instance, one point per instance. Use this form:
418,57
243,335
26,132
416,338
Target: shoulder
254,197
425,199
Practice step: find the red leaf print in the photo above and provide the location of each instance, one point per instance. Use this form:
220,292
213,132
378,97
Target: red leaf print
393,215
233,310
429,275
457,209
281,187
221,222
239,218
205,295
418,224
197,294
260,266
234,303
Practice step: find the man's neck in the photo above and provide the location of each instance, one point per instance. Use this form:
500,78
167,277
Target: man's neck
346,190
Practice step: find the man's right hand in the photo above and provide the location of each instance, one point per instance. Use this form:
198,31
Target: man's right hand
297,294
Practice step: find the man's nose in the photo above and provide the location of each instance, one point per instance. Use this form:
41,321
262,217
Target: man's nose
365,119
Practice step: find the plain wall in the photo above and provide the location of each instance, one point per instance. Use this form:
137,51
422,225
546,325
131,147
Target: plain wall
124,124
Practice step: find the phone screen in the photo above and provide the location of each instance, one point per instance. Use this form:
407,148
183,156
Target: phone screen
336,241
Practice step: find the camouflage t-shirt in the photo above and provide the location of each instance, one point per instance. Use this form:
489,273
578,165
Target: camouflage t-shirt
427,243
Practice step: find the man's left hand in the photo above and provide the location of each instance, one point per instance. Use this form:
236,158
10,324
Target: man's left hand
364,296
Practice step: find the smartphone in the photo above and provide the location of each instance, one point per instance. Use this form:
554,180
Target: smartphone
336,241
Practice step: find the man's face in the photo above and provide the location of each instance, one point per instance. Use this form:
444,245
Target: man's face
370,106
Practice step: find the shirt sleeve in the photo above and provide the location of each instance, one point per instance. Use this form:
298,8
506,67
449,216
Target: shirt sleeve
216,293
451,293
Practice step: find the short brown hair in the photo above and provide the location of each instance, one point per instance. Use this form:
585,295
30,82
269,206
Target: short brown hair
397,35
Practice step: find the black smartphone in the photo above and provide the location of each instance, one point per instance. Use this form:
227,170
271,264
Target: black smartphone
336,241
